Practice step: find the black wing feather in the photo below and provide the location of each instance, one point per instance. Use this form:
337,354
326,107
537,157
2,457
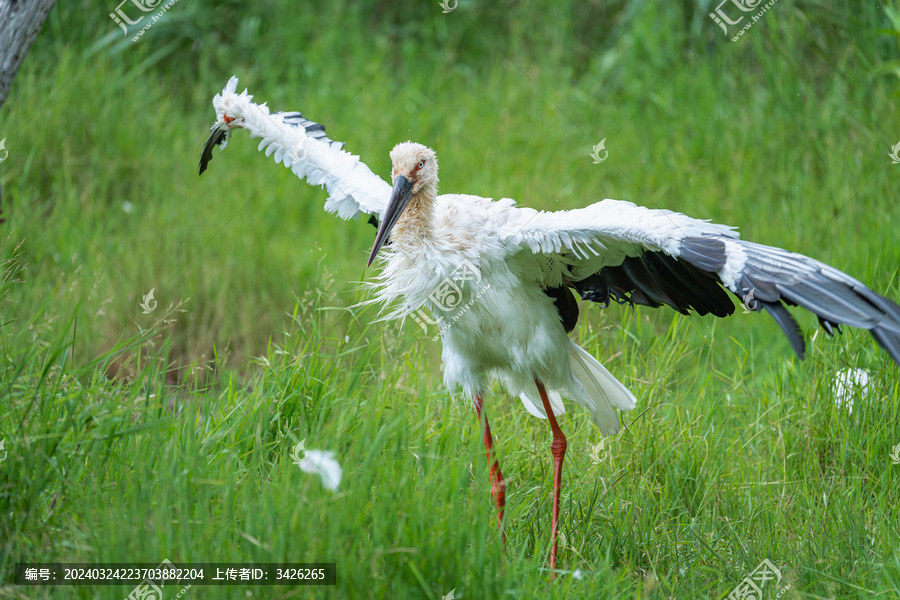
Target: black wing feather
655,279
776,278
312,129
566,306
788,325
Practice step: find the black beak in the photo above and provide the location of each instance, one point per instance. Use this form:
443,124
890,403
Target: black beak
400,197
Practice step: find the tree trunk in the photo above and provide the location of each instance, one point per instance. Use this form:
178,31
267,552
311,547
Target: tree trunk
20,22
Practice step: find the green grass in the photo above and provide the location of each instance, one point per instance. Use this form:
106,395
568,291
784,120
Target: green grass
168,435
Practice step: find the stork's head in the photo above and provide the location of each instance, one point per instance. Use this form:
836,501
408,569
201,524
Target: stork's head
414,171
416,163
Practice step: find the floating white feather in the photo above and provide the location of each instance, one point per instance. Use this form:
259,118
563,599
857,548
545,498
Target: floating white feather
322,463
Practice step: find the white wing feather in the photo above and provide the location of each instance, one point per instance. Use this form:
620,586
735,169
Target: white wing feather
352,187
604,233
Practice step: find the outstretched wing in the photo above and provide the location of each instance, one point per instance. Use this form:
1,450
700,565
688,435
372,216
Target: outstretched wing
302,146
617,250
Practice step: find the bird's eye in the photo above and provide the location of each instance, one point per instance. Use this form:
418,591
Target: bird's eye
421,164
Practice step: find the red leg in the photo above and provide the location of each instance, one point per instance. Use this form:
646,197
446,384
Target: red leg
558,448
498,487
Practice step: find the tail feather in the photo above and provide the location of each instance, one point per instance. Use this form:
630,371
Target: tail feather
602,393
594,388
536,409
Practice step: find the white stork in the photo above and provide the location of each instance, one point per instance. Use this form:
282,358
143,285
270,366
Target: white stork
508,273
